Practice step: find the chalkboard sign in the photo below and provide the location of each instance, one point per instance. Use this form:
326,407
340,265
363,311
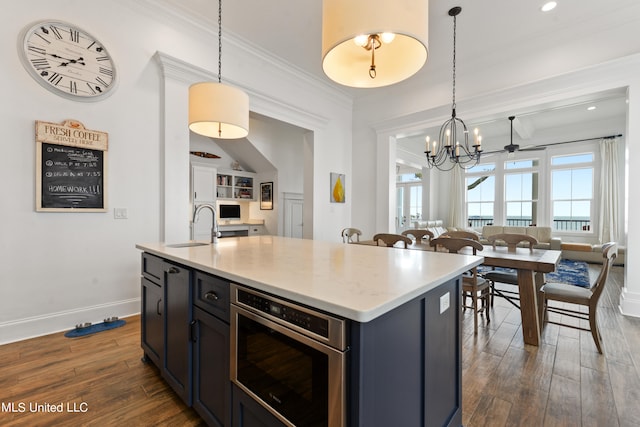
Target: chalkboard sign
71,168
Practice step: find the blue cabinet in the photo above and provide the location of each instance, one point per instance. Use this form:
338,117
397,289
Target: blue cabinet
165,322
406,364
152,327
177,319
211,383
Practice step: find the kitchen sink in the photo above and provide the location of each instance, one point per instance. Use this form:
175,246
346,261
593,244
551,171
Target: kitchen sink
187,245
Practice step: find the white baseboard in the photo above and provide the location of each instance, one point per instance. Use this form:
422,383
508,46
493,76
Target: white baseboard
31,327
629,303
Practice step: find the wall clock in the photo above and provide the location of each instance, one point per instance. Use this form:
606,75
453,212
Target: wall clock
67,60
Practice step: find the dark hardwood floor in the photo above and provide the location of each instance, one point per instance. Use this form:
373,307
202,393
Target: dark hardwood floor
564,382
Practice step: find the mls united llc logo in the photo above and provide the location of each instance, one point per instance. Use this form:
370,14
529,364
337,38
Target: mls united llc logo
21,407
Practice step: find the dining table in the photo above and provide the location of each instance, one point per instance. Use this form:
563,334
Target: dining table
530,264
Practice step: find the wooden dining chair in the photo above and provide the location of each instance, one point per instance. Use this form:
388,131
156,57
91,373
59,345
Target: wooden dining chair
461,234
512,240
390,239
566,293
349,233
472,283
511,294
418,234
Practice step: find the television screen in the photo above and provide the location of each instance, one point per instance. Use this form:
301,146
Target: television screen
230,211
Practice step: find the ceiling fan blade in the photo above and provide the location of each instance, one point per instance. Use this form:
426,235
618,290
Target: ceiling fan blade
533,149
581,140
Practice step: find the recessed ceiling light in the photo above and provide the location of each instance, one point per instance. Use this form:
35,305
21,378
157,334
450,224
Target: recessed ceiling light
550,5
591,108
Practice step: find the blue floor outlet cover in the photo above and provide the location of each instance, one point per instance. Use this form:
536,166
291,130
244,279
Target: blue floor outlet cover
99,327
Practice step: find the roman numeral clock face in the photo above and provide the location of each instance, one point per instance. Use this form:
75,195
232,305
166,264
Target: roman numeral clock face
67,60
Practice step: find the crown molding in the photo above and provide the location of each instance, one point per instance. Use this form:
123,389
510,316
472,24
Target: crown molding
175,15
182,71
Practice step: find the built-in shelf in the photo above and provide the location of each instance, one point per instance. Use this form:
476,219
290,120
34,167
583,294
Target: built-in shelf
235,185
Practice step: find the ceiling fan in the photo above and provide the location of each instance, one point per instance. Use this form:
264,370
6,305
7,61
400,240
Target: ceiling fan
511,147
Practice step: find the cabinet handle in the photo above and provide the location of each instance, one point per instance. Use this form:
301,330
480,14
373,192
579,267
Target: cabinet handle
211,296
173,270
194,337
158,312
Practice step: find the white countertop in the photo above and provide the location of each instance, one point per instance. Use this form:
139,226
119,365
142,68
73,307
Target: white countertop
357,282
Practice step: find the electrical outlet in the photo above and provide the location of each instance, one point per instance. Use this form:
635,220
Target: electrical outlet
120,213
445,302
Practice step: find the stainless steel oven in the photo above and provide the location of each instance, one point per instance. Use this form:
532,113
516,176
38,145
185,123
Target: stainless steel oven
291,359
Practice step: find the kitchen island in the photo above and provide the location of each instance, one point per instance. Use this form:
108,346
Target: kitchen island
400,310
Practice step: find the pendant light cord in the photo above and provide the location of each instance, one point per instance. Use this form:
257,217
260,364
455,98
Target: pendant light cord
454,67
220,41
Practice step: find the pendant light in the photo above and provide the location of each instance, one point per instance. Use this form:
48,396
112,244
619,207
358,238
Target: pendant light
372,45
453,146
217,110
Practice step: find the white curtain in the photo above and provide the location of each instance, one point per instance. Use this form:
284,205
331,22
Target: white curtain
457,216
609,194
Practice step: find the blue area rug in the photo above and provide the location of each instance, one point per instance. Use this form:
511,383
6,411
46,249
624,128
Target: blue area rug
99,327
568,271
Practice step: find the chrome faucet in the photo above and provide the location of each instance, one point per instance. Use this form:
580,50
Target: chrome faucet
214,226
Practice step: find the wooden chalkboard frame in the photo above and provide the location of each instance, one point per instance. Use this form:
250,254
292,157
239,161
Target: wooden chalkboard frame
83,176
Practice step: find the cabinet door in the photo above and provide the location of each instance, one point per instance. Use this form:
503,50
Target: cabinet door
211,383
203,184
177,318
152,327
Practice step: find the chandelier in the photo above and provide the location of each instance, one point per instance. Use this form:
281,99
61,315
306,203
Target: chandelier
452,147
217,110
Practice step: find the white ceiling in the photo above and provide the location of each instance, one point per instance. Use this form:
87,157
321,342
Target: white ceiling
292,29
489,32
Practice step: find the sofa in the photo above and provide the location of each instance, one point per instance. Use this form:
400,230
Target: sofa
590,253
435,226
542,234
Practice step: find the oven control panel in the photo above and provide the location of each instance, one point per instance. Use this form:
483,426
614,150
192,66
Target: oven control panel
285,312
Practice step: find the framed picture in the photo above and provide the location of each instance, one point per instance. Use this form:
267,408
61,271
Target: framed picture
337,188
266,195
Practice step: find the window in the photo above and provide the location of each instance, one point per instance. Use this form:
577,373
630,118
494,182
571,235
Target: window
481,185
521,192
572,192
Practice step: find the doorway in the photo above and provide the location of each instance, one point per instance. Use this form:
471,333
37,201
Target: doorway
408,201
293,215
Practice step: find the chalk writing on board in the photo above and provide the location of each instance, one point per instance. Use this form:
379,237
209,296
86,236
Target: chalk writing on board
71,177
71,174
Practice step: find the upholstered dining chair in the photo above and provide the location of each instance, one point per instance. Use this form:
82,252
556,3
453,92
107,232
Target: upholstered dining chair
472,283
349,233
461,234
512,240
418,234
565,293
390,239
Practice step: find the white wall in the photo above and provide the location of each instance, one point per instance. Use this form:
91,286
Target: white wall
60,269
